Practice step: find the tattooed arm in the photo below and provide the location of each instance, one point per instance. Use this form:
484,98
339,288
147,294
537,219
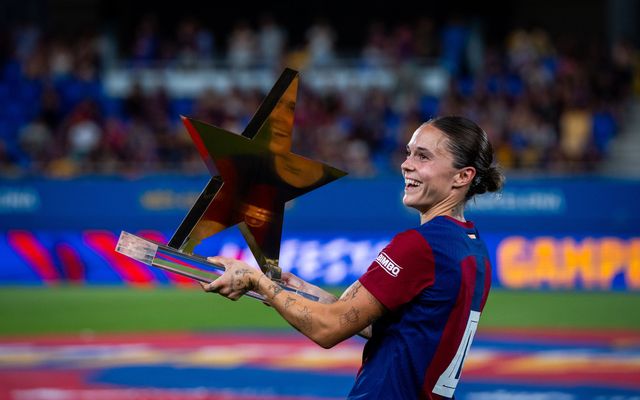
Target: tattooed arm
324,296
350,294
327,324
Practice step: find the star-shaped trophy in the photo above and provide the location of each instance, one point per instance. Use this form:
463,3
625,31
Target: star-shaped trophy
254,175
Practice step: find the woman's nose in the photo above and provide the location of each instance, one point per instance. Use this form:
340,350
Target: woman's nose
406,165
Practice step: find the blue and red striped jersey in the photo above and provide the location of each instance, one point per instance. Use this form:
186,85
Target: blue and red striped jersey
434,281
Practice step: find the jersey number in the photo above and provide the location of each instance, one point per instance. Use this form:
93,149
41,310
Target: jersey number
448,381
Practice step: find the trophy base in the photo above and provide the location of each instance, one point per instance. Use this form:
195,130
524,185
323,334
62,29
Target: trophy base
169,259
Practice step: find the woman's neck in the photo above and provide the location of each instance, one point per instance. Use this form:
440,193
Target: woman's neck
449,207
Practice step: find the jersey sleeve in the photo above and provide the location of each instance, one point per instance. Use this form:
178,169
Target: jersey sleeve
401,271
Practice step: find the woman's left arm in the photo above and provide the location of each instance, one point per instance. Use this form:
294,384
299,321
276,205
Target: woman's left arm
325,324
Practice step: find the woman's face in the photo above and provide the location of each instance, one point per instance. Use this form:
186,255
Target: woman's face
281,122
428,169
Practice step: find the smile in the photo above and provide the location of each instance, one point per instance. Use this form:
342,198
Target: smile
411,182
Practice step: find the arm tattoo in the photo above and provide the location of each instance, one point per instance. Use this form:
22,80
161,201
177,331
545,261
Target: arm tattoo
276,289
289,302
351,293
304,319
350,317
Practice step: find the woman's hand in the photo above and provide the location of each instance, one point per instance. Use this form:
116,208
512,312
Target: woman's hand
295,282
238,278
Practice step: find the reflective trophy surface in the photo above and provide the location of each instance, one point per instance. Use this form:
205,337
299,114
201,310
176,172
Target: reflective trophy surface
253,175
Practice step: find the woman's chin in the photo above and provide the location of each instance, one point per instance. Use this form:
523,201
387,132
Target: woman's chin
408,203
411,204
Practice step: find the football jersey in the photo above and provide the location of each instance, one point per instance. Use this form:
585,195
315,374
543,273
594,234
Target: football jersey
434,281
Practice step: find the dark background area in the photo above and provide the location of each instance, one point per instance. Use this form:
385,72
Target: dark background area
594,20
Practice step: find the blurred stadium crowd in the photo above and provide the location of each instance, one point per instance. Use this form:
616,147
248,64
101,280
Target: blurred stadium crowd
547,103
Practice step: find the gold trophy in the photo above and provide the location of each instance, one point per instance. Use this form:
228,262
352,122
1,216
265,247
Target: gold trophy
254,175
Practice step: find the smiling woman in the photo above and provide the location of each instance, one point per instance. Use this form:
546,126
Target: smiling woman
420,301
448,157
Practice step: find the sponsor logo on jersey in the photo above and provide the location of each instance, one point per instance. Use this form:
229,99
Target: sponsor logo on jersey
388,264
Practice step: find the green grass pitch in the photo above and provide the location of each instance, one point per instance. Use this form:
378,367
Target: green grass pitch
44,310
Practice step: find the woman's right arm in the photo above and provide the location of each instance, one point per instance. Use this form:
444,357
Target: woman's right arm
324,296
325,324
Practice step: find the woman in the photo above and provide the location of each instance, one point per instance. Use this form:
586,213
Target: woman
420,300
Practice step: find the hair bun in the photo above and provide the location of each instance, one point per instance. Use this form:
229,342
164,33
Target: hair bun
491,180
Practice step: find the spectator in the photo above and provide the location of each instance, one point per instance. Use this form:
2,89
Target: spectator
320,44
145,43
271,41
242,46
195,44
536,96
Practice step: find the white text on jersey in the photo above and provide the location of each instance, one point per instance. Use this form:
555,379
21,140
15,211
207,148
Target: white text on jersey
388,265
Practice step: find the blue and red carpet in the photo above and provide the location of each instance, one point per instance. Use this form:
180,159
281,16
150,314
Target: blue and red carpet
502,365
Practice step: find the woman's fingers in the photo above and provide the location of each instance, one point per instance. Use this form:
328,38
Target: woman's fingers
221,261
235,281
225,291
292,280
209,287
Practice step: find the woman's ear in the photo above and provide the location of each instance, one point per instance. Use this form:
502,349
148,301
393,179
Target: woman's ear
464,177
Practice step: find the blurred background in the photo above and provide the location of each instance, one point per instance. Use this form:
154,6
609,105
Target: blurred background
91,143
